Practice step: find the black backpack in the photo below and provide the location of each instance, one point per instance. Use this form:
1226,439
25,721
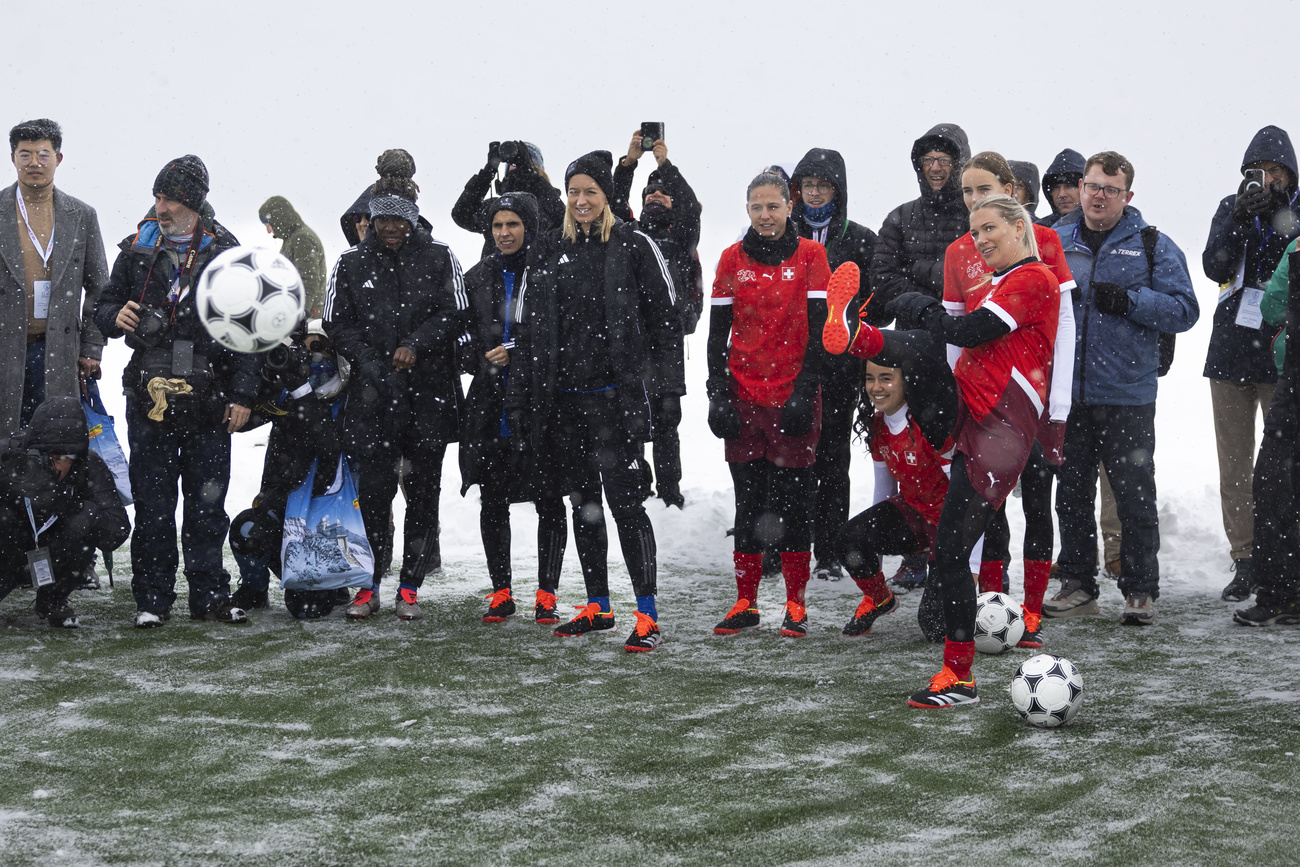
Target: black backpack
1150,235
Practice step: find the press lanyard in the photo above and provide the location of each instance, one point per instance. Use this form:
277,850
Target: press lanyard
31,517
49,248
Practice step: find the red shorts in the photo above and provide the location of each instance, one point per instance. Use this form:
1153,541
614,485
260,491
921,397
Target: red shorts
761,437
997,446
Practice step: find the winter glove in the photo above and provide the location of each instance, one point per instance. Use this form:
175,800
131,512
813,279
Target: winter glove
1254,203
1110,298
913,308
797,414
724,420
374,389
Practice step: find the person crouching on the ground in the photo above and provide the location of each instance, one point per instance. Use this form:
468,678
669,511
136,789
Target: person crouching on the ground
964,289
487,457
58,503
765,363
1002,379
577,395
394,309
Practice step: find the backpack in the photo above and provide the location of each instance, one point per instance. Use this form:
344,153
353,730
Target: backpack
1150,235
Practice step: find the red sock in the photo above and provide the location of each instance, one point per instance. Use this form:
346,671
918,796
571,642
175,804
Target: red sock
958,655
991,576
874,587
795,568
749,571
1036,575
867,343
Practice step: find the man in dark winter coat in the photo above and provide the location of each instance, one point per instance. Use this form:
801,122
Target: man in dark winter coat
185,396
301,246
1061,184
56,497
821,214
1248,235
916,234
670,214
524,173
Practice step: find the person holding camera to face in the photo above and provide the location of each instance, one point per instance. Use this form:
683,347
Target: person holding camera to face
58,503
1248,235
185,395
524,173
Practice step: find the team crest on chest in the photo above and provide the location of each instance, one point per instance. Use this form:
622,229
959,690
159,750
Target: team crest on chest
745,276
910,458
787,273
974,269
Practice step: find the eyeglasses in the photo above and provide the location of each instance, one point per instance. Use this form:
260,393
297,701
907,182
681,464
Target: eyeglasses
1108,192
943,162
42,157
816,186
1277,173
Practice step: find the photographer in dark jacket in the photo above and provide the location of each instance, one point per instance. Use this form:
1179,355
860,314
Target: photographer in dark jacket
822,214
58,496
394,309
487,457
185,396
524,173
670,214
1248,235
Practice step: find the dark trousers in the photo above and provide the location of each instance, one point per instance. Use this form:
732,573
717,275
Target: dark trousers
199,460
71,551
1123,438
666,447
422,485
494,524
964,518
33,381
1277,513
773,507
585,440
882,529
840,393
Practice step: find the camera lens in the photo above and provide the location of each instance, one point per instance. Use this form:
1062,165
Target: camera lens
509,150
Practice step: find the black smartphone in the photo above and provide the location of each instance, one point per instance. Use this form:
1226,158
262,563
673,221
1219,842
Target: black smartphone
651,132
1254,179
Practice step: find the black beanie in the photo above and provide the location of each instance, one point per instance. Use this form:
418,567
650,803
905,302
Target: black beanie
597,165
523,204
184,180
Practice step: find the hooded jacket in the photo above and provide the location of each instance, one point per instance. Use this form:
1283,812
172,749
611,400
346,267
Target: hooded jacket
1027,174
1066,168
915,235
348,222
1116,357
1241,255
301,246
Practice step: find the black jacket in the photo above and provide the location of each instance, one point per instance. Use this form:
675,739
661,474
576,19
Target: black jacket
1237,353
471,209
1067,168
379,300
915,235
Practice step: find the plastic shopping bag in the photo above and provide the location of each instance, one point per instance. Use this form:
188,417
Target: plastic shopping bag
325,545
103,440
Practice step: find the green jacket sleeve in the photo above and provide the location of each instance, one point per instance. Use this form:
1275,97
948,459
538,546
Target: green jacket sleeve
1273,307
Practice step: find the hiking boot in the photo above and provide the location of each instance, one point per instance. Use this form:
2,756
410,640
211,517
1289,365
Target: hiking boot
828,570
741,616
224,612
795,624
1112,568
89,580
1286,614
946,691
151,619
930,617
838,330
247,598
1033,637
1139,610
1072,600
1242,583
590,619
645,636
867,613
500,606
309,604
407,604
365,603
544,611
908,578
62,617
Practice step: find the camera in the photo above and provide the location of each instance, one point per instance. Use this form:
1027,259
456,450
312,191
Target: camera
28,471
282,357
509,151
153,322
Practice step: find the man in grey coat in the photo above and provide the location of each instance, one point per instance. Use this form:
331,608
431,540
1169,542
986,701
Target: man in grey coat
50,253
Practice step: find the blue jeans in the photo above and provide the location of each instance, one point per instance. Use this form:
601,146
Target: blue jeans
33,381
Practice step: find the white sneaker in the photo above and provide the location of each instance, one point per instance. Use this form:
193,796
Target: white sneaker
149,620
1139,610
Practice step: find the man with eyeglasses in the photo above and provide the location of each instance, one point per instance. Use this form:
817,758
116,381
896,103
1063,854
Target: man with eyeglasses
1248,235
821,213
50,253
1122,303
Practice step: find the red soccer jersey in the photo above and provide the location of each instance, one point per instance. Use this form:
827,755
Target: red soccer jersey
964,269
769,327
914,464
1028,299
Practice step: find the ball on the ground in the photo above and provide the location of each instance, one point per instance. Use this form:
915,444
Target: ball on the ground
250,298
1047,691
999,623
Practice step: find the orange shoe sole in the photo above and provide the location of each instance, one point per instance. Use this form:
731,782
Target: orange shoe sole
843,287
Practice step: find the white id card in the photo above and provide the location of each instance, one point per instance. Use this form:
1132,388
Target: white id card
41,299
1248,313
41,567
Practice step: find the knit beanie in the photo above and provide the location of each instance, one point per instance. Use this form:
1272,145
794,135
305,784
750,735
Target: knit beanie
597,165
184,180
394,194
523,204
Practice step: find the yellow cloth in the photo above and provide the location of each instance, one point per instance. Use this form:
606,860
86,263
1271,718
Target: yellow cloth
159,388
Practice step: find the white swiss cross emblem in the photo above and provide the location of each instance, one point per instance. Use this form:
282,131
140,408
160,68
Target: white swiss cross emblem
910,457
787,273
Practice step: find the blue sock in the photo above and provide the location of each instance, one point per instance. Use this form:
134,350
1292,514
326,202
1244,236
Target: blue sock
602,601
411,587
646,605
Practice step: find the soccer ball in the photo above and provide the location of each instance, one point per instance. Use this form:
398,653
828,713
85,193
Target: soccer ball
999,625
1047,691
250,298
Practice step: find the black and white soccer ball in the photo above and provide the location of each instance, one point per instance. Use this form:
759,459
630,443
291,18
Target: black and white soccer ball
999,623
250,298
1047,691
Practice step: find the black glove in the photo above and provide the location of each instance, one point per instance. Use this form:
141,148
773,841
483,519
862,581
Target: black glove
494,156
519,430
1110,298
724,420
797,414
1251,204
912,309
374,389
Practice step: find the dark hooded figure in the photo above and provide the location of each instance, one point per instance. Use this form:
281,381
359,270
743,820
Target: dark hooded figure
1026,185
916,234
525,172
300,245
56,496
821,214
1061,185
1248,236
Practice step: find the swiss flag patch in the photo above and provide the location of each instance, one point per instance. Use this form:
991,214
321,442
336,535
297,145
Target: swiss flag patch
787,273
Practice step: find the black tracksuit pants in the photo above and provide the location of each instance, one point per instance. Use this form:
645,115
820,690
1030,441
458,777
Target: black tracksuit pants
494,523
